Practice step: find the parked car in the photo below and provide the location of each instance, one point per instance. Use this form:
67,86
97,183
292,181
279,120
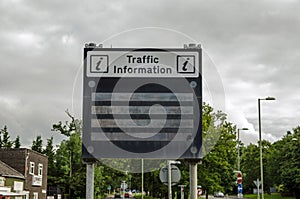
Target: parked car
219,194
126,195
117,195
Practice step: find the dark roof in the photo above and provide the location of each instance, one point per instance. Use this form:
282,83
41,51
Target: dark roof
22,150
7,171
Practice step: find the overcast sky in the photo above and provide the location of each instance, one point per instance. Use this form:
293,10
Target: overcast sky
251,49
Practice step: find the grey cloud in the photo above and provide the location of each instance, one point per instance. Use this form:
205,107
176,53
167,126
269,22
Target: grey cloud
255,46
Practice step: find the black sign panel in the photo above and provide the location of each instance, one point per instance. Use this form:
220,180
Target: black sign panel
142,103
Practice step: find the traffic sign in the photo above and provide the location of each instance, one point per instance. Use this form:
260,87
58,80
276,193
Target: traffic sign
239,178
240,188
124,185
257,183
175,175
142,103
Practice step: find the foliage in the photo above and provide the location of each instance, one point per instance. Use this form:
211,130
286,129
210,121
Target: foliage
17,142
5,141
281,164
281,161
290,162
69,169
216,173
68,128
49,151
250,166
37,144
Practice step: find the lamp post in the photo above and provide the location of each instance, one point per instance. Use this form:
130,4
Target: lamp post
260,145
240,189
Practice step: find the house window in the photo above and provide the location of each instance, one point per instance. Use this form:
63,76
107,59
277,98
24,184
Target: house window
31,169
35,195
40,173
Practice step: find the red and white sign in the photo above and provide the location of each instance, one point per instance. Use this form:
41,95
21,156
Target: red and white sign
239,178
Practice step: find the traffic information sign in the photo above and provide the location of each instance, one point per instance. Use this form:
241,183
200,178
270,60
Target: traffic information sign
142,103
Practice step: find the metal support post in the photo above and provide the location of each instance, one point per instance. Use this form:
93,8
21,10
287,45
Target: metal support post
90,181
169,180
260,152
142,178
193,179
181,191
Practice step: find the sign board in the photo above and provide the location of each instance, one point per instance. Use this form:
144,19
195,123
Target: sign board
199,190
257,183
142,103
239,178
175,175
240,188
2,181
18,186
124,185
37,180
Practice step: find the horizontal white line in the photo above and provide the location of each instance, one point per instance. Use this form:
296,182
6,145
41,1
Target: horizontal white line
142,123
142,97
140,136
142,110
144,130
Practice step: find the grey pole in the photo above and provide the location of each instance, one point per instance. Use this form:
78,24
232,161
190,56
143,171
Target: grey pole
142,178
90,181
239,158
169,180
260,152
193,179
257,188
260,146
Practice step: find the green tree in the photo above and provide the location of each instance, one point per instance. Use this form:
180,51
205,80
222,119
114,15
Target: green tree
290,163
217,169
17,143
5,141
50,153
37,144
266,151
69,167
250,166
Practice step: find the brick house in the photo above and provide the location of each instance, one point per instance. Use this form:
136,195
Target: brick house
11,182
32,165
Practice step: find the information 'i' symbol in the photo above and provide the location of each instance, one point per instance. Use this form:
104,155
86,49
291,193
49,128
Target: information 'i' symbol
99,63
184,67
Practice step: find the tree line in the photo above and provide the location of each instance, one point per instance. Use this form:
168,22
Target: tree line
216,171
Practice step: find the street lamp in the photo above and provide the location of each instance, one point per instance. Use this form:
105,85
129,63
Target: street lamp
260,145
240,189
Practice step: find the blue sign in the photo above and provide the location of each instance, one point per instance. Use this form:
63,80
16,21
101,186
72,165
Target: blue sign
240,188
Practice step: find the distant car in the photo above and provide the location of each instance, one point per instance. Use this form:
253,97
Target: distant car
117,195
219,194
126,195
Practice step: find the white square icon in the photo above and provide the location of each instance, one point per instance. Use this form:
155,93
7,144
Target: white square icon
186,64
99,63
